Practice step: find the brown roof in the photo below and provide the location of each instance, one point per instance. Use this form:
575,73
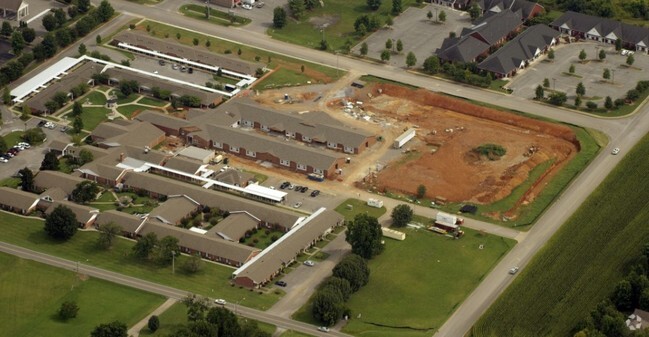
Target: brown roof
80,75
128,222
48,179
59,145
234,177
81,212
234,226
55,193
138,134
173,210
209,245
13,5
17,198
159,119
184,164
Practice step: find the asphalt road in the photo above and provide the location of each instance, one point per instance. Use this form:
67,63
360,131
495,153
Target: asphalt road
156,288
623,132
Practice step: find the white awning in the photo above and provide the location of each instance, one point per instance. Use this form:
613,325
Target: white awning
266,192
45,76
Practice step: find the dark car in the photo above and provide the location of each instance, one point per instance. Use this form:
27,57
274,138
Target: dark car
41,124
281,283
315,193
161,62
297,188
284,185
304,189
190,70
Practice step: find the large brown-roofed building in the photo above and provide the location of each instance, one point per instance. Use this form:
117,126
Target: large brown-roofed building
184,164
47,179
139,134
17,201
235,226
172,211
128,222
85,215
169,124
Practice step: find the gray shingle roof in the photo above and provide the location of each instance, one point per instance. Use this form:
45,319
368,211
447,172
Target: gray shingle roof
234,226
79,75
584,23
17,198
13,5
82,213
173,210
184,164
522,6
519,49
48,179
160,119
128,222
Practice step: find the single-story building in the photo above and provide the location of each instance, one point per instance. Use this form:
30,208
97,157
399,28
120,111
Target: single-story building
176,208
526,9
17,201
193,152
235,226
85,215
129,223
19,8
45,180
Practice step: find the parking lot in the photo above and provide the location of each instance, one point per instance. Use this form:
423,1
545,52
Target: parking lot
418,34
262,18
153,65
590,73
309,203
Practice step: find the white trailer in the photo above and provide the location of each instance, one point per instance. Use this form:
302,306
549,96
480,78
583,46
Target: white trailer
404,138
446,219
374,203
392,234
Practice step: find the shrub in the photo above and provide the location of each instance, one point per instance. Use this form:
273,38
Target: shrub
491,151
591,105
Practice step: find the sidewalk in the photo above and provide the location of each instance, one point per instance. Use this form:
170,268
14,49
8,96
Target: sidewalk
135,330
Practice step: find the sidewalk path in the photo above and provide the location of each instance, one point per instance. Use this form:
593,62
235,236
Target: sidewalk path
135,330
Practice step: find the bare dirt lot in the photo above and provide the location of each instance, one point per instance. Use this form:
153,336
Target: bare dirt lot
448,130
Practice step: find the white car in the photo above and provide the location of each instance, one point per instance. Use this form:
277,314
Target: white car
25,145
297,204
309,263
513,270
220,301
615,151
323,329
3,160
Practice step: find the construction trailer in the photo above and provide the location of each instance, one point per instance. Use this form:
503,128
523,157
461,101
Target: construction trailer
392,234
404,138
374,203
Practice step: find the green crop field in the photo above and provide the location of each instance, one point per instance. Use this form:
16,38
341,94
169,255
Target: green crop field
211,281
584,260
31,294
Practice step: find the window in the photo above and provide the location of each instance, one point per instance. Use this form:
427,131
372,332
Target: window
318,171
301,167
234,149
251,153
218,145
265,128
290,134
349,149
332,145
285,162
306,139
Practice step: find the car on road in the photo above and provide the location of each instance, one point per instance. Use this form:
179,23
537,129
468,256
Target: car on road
309,263
24,145
3,160
297,204
220,301
615,151
41,123
290,186
246,6
190,70
281,283
65,128
284,185
315,193
323,329
49,125
513,270
161,62
174,66
304,189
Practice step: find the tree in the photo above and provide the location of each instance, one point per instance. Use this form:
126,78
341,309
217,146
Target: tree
401,215
49,46
540,92
602,55
85,157
208,43
399,46
582,55
77,109
363,49
632,95
49,22
77,124
629,60
429,15
195,41
297,8
338,284
68,309
385,55
82,49
353,268
105,11
324,45
193,264
431,65
580,90
107,234
98,39
59,15
442,16
196,307
622,296
3,145
551,54
577,101
364,235
388,44
50,162
608,103
29,34
83,5
327,306
26,179
225,321
6,97
374,4
411,59
591,105
178,36
34,136
474,12
618,44
607,74
17,43
154,323
571,69
279,17
166,249
61,224
310,4
6,29
397,7
112,329
85,192
557,98
145,245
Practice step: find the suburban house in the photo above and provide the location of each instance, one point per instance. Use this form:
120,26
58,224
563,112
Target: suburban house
85,215
525,9
520,51
19,8
174,209
270,262
476,42
17,201
122,132
603,30
45,180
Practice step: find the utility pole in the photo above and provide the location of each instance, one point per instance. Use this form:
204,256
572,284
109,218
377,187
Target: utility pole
173,262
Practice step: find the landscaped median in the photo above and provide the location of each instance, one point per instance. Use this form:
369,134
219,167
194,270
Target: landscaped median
211,280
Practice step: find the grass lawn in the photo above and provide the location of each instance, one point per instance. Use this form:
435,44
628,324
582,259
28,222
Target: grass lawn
263,240
582,262
121,99
224,79
216,16
317,73
152,101
291,333
282,77
64,166
33,292
358,206
13,138
421,281
95,98
211,281
91,117
131,109
340,14
10,182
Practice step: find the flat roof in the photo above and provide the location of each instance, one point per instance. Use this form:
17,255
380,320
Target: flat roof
196,153
39,80
265,192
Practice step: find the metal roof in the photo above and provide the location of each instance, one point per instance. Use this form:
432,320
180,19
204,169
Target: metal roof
265,192
39,80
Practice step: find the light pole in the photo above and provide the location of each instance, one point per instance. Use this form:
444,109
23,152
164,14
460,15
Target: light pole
436,16
173,262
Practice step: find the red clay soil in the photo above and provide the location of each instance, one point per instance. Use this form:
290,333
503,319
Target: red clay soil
454,171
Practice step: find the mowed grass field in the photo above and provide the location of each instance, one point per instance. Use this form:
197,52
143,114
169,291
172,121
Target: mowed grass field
358,206
416,284
31,294
581,264
211,280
